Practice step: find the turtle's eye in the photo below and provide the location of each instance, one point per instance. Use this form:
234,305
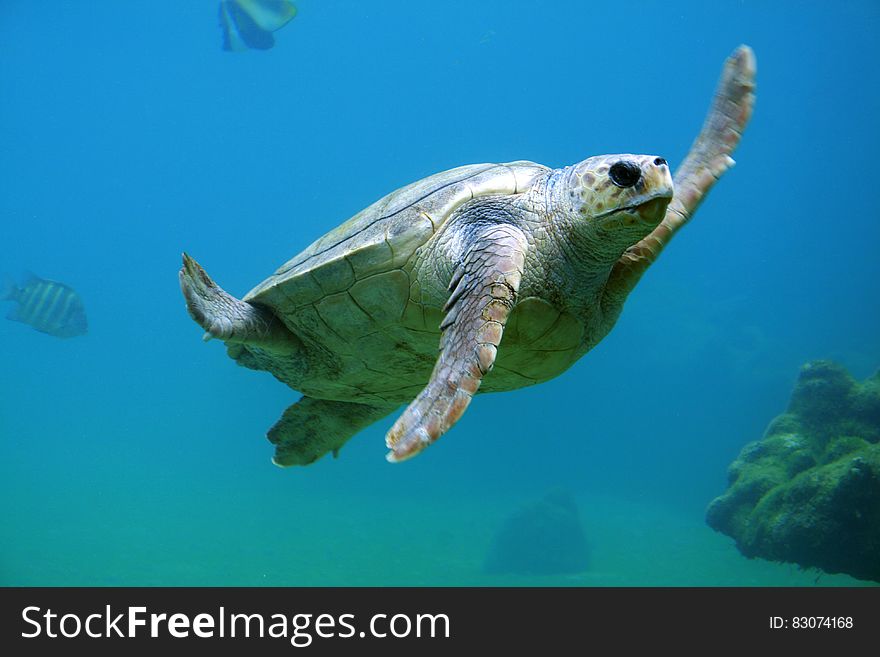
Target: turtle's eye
625,174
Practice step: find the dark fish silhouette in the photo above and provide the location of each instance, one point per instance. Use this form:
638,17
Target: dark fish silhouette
250,23
48,306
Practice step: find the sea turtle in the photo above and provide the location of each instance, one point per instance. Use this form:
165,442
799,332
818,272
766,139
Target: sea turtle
545,257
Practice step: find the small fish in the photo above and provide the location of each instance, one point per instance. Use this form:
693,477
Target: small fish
48,306
250,23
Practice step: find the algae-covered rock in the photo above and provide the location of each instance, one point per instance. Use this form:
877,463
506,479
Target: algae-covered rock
544,538
809,491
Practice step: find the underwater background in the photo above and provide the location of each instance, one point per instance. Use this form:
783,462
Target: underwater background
135,455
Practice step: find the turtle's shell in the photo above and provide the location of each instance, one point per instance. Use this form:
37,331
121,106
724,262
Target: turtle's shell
368,316
362,257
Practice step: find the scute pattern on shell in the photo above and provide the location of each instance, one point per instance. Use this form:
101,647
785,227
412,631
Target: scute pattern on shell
384,235
351,298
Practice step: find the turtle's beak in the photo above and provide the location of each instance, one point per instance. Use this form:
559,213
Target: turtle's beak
649,211
653,211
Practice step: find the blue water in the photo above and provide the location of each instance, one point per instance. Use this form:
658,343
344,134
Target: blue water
136,454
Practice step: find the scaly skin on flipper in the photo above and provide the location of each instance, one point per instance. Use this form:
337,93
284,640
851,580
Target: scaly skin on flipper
706,162
227,318
483,292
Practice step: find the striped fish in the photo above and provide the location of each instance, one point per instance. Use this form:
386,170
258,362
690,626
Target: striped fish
47,306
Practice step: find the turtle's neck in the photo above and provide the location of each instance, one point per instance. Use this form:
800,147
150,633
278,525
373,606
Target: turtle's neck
576,257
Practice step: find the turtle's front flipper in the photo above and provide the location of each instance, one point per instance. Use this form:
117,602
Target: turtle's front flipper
722,130
227,318
705,163
484,290
312,427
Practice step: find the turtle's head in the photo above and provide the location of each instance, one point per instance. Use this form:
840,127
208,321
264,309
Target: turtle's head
618,198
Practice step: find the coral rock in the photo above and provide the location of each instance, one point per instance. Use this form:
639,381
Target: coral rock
809,491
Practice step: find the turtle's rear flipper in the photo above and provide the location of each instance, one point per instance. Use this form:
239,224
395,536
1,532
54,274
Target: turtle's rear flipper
227,318
312,427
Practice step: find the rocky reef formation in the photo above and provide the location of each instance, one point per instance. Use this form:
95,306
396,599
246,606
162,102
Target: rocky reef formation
544,538
808,492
